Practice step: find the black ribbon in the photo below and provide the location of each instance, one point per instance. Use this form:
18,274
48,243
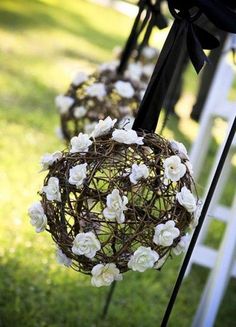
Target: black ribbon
220,12
157,20
153,17
183,32
136,30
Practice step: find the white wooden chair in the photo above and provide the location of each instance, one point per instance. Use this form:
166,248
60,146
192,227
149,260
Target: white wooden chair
222,261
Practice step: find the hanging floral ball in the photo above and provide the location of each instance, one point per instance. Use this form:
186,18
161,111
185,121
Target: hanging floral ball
95,97
117,201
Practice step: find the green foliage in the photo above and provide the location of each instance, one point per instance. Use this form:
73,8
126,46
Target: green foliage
42,43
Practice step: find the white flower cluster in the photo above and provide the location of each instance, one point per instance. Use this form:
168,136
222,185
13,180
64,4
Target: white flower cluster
63,103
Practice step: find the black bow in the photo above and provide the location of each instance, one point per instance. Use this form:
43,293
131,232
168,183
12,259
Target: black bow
183,33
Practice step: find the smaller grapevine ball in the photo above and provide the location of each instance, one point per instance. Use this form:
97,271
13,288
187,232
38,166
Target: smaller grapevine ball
117,200
91,98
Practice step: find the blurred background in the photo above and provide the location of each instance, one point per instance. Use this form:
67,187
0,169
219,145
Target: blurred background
42,44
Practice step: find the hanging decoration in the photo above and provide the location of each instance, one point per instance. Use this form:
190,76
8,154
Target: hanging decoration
95,97
117,201
116,88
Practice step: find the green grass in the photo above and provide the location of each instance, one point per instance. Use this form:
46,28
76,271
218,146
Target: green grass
42,44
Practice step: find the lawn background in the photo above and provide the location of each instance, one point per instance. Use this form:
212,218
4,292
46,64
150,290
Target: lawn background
42,44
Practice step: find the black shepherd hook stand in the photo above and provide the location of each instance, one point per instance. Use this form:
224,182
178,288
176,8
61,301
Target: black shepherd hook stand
199,226
108,300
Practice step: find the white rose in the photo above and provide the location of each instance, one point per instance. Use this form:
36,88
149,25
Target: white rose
104,275
96,90
116,205
148,70
149,53
165,233
38,219
59,133
62,259
186,199
89,128
110,66
63,103
86,244
134,71
79,112
141,94
80,143
143,259
182,245
49,158
77,174
161,262
79,78
189,166
125,110
196,215
174,169
180,149
126,123
138,172
124,89
103,127
52,190
127,137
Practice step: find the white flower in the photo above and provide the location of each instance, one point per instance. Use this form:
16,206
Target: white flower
89,128
165,233
104,275
182,245
125,110
79,112
196,215
142,259
186,199
189,166
124,89
38,219
59,133
103,127
141,94
110,66
138,172
161,262
148,70
180,149
126,137
79,78
62,259
86,244
149,53
49,158
52,190
116,205
174,169
77,174
80,143
126,123
63,103
96,90
134,71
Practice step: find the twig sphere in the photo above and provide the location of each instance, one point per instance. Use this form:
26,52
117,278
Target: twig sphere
122,203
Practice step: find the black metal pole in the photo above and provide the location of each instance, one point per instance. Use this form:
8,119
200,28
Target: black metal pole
199,226
108,300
